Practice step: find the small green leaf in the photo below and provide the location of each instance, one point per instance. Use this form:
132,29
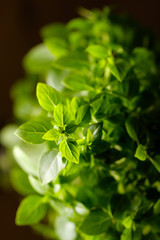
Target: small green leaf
61,115
24,161
155,162
31,210
52,135
127,222
157,207
83,114
118,67
70,150
141,153
38,59
96,222
48,97
33,131
50,166
96,104
111,66
54,30
75,104
71,128
97,51
81,142
57,46
78,24
89,137
70,63
77,82
130,127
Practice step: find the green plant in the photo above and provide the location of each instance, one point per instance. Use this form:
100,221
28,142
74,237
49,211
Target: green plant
94,171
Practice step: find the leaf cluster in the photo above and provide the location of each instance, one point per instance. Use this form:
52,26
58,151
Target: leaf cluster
95,128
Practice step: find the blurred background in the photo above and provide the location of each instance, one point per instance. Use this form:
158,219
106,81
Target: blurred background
20,22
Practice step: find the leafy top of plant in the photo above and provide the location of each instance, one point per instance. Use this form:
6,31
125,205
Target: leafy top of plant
95,170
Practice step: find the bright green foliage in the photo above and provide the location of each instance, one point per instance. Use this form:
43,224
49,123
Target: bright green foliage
95,129
31,210
130,127
47,96
127,222
69,150
77,82
118,67
97,51
38,59
83,114
52,135
96,222
50,165
61,115
71,128
140,153
33,131
72,63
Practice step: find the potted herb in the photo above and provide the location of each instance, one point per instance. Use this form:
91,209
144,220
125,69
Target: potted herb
89,124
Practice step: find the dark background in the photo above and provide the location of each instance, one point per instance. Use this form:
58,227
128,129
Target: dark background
20,22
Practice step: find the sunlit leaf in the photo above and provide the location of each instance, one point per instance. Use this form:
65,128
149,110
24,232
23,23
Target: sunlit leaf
141,153
31,210
50,166
33,131
70,150
47,96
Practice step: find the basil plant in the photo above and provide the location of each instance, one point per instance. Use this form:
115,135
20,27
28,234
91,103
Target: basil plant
88,116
